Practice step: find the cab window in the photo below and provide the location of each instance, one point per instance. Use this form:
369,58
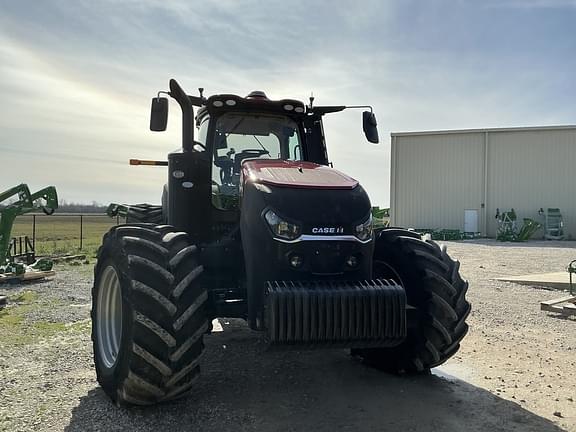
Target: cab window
202,132
241,136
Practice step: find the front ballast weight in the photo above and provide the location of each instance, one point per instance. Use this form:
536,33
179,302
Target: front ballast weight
318,314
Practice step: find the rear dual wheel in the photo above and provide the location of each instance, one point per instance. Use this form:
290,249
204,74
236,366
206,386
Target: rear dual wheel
141,213
435,288
148,314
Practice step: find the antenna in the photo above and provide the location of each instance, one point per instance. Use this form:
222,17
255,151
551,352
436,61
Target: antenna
311,99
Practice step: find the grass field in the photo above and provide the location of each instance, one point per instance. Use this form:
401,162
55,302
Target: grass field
60,234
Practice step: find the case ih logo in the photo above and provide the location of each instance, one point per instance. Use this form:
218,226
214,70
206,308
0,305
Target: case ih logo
327,230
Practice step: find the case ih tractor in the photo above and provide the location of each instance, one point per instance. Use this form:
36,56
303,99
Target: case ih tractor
256,224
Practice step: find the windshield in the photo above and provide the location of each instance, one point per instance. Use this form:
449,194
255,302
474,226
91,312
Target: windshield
241,136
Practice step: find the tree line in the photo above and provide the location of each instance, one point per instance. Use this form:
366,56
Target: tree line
69,207
72,207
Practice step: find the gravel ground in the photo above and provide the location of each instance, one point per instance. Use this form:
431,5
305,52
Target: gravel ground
515,371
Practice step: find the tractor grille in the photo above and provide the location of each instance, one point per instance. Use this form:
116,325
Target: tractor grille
340,314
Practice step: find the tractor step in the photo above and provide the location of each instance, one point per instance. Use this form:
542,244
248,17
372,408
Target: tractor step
358,314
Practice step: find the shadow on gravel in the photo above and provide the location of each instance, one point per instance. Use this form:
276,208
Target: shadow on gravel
246,388
560,317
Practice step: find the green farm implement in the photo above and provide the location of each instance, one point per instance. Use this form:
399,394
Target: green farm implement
17,258
508,229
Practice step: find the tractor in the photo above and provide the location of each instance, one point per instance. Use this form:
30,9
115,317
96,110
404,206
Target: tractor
256,224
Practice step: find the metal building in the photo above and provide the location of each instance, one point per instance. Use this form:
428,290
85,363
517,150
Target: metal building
457,179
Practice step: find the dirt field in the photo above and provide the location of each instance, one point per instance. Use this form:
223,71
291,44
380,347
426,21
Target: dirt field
516,370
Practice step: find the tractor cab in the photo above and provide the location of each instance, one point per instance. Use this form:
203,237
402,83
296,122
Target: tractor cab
235,129
231,130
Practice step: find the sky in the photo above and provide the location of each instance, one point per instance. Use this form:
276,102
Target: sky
76,77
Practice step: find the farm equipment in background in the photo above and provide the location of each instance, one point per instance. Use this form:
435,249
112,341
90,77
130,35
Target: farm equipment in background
256,224
565,305
17,256
508,228
553,223
136,212
381,217
443,234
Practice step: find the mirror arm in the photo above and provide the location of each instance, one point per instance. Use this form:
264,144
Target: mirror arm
360,106
321,110
162,92
197,101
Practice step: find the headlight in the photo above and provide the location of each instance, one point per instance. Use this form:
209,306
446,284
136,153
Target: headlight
364,230
282,228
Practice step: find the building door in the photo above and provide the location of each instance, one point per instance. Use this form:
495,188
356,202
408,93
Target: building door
471,221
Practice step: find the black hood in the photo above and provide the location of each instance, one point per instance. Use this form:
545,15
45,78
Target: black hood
313,208
321,214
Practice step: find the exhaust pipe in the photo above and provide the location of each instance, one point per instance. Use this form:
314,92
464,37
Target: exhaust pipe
187,115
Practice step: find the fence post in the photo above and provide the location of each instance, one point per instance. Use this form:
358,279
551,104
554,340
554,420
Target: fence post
34,232
81,229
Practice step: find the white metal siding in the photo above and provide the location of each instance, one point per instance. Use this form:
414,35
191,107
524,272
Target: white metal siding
529,170
432,176
438,175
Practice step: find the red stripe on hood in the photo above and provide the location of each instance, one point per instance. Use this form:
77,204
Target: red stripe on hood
296,174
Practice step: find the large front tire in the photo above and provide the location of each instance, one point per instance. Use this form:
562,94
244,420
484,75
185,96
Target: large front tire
434,288
148,314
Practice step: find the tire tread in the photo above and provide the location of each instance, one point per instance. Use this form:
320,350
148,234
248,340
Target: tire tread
435,287
168,311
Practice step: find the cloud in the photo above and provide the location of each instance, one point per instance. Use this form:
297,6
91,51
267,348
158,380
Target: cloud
533,4
76,77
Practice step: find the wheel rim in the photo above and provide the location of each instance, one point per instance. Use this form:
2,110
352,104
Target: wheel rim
109,317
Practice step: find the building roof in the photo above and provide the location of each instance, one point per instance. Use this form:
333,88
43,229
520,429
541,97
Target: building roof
502,129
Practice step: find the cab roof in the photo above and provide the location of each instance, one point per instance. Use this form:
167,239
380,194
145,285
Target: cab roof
256,101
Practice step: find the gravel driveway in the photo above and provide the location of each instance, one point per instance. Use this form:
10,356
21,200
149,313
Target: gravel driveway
515,371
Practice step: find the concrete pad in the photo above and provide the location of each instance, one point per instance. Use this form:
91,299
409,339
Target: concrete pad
558,280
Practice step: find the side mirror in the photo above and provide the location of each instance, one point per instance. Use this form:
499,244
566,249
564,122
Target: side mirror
369,125
159,114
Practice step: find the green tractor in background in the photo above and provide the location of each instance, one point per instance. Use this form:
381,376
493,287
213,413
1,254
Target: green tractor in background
24,201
